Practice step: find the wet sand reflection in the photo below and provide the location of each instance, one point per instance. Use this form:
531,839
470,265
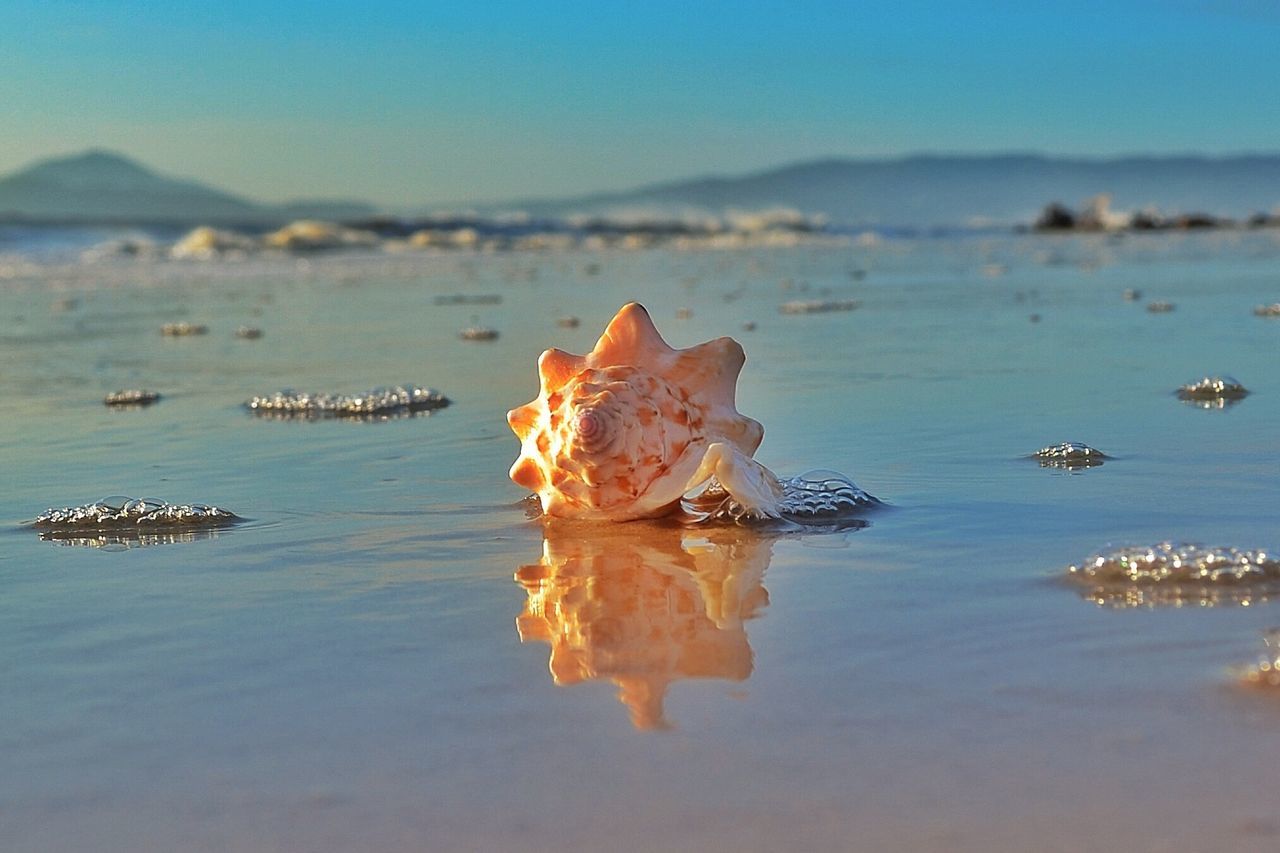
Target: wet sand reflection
644,605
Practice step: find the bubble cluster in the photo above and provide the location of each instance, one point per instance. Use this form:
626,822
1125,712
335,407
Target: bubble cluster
815,495
131,397
183,330
818,306
1212,389
469,299
1167,562
822,492
1069,455
478,333
119,511
383,401
1177,575
1266,672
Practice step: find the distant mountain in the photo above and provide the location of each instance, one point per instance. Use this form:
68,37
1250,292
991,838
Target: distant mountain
929,190
101,186
919,191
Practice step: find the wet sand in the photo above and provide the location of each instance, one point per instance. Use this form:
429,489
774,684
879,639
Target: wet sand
389,654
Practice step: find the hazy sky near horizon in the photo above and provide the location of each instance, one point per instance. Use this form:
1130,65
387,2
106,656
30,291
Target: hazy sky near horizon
425,103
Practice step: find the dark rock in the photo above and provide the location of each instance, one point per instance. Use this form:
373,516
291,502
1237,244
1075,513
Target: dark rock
1056,217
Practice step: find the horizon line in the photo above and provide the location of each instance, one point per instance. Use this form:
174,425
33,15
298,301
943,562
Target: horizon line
662,183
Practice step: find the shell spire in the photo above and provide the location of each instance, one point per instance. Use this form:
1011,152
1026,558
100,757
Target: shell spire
616,433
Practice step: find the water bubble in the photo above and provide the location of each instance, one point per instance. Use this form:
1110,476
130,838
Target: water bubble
1169,574
379,402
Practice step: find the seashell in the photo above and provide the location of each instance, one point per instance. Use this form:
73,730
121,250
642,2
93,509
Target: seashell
623,432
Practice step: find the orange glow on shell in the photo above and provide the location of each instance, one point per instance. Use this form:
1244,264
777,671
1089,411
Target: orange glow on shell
616,434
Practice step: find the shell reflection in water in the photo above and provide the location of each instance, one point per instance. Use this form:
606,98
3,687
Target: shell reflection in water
644,605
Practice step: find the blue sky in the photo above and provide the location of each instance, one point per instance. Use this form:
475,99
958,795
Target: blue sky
408,103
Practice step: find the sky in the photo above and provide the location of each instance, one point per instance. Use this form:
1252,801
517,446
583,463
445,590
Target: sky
437,102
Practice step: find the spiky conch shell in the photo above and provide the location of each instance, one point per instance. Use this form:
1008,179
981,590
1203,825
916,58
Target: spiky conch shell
616,434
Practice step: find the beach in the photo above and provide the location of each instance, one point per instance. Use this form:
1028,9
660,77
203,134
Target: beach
389,653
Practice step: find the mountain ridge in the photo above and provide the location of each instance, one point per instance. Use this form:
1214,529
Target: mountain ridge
98,185
914,190
930,189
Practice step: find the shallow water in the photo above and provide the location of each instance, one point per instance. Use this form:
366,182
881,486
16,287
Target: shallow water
371,660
